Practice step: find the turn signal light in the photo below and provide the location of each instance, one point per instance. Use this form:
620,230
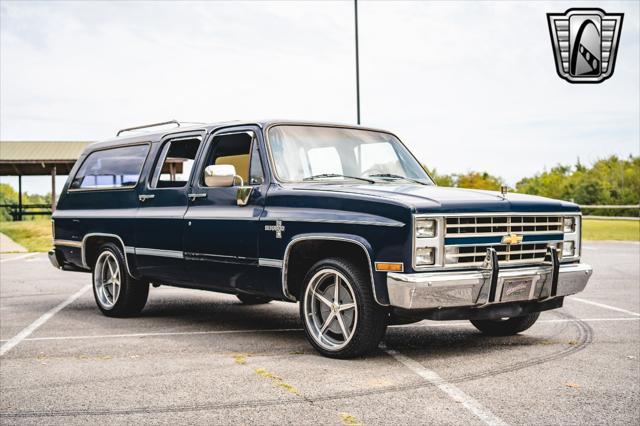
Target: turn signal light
389,267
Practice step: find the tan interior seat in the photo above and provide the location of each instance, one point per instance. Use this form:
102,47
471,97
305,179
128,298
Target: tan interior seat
240,162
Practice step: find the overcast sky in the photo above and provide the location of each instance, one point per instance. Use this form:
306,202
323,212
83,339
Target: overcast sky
467,86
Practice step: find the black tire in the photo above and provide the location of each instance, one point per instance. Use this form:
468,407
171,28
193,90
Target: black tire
506,327
249,299
131,295
368,322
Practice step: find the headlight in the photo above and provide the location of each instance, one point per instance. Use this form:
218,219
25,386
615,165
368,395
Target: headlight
425,256
569,224
568,249
426,228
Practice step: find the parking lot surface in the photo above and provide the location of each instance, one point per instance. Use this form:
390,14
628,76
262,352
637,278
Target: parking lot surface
198,357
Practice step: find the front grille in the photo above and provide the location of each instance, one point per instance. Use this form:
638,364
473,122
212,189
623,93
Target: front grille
462,231
502,225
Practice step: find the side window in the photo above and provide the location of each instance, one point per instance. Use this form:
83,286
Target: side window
175,163
240,151
111,168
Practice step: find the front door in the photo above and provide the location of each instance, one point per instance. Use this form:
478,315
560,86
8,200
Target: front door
221,238
160,220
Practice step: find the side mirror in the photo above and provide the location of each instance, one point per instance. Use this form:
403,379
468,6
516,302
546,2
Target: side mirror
220,175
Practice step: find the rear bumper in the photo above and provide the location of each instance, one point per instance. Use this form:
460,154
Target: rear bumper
53,258
478,288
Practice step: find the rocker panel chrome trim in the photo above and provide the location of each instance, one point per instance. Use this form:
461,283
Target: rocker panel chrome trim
272,263
157,252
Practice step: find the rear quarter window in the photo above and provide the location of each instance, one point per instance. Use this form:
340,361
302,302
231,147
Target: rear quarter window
111,168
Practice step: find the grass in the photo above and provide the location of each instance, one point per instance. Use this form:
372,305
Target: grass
614,230
34,235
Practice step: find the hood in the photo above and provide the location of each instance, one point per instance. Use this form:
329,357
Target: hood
429,199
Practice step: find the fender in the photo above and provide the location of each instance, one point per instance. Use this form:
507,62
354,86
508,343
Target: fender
353,239
125,250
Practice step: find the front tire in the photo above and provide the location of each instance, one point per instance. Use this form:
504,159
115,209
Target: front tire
340,316
506,327
117,294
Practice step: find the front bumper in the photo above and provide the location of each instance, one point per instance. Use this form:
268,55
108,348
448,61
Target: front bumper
433,290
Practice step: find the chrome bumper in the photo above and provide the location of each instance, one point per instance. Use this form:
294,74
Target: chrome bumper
433,290
53,258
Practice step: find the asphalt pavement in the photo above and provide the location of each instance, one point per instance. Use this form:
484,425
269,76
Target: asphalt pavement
199,357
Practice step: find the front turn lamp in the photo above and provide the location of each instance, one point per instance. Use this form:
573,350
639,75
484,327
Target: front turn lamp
568,249
569,224
425,228
425,256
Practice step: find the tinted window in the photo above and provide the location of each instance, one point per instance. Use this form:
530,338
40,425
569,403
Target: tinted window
111,168
175,163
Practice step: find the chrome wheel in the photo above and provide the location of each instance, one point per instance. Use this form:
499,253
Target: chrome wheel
330,309
107,280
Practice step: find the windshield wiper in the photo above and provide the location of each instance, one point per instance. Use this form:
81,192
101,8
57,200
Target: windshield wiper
330,175
392,176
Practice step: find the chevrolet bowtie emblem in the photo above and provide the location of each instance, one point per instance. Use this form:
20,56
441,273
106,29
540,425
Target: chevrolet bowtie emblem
512,239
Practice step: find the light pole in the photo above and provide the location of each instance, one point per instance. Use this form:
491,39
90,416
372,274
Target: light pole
355,5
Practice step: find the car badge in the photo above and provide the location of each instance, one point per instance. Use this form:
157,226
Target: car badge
585,43
278,228
512,239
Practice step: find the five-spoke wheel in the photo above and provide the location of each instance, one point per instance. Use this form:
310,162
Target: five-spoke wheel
107,279
330,309
340,316
116,292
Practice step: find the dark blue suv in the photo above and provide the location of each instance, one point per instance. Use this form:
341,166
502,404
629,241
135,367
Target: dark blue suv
342,219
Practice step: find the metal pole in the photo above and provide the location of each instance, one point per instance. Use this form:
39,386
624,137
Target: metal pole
355,4
19,197
53,189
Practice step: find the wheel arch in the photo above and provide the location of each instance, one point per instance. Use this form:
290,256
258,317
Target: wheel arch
92,241
356,243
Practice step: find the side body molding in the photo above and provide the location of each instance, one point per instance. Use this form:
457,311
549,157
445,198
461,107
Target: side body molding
363,244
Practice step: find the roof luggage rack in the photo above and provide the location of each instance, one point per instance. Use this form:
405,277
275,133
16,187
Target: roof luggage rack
146,126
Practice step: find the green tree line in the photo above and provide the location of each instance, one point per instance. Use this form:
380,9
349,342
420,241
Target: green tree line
8,195
611,181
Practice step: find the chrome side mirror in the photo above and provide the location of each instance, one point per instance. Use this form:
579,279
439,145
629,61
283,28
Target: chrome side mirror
220,175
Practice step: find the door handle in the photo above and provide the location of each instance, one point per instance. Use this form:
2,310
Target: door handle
194,197
145,197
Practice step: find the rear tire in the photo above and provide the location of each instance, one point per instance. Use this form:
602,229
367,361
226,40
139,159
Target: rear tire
345,323
117,294
249,299
506,327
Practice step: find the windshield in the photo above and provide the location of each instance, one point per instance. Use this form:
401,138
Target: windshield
315,153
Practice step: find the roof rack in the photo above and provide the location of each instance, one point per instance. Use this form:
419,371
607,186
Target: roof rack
164,123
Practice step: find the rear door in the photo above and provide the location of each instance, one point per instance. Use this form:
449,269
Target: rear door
221,238
163,203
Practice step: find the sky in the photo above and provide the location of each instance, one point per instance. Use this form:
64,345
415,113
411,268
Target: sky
466,85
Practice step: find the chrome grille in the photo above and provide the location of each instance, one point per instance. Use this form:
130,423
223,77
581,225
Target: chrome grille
523,253
501,225
464,254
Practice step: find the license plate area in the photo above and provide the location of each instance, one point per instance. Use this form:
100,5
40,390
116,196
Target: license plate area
516,289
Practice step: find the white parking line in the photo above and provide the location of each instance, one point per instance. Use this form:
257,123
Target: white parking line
453,391
24,256
602,305
284,330
15,340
